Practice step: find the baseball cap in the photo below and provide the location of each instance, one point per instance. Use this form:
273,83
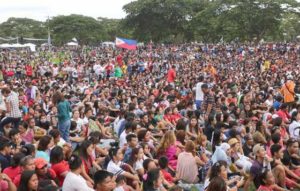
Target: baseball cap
40,163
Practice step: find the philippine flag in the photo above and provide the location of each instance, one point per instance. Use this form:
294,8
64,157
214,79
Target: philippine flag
126,43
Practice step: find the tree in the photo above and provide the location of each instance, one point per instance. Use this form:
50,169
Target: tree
114,28
86,30
159,19
23,27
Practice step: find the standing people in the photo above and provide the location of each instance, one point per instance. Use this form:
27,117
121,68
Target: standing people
199,93
288,90
13,113
63,114
209,104
172,75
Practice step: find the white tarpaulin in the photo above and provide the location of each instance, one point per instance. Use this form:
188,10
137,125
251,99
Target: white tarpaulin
72,44
17,45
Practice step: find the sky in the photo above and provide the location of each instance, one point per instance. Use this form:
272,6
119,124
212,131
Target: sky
41,9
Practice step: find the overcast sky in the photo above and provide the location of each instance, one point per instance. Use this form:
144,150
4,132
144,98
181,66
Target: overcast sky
41,9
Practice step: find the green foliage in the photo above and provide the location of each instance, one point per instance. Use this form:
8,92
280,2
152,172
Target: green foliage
86,30
211,20
159,20
23,27
173,21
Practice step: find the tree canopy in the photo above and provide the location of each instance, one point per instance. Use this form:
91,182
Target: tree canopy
172,21
211,20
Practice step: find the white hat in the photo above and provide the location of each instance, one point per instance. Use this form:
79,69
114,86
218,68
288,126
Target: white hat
290,77
225,146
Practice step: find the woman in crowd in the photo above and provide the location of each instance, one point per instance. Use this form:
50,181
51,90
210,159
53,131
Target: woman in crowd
188,171
153,181
58,164
86,149
116,166
74,181
63,113
29,181
168,148
43,148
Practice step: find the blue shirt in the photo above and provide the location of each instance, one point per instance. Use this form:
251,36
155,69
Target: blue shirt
5,161
42,154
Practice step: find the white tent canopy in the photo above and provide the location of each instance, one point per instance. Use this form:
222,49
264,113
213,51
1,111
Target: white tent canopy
17,45
72,44
108,43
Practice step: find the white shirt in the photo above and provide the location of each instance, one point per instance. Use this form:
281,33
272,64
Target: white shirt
294,133
199,92
123,140
115,168
74,182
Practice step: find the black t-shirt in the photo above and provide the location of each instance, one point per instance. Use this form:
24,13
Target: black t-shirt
288,159
4,161
247,150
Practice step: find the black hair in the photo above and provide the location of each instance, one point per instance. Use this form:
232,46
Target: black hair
216,139
75,162
141,134
16,159
217,184
163,162
54,133
113,152
83,149
95,137
290,142
131,125
24,124
146,163
130,136
263,177
216,169
120,178
204,86
25,177
4,142
56,155
276,137
275,148
28,149
13,132
100,176
73,125
294,116
181,124
44,142
277,121
152,176
50,187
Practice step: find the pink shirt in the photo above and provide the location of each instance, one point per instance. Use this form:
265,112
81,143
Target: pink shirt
3,185
187,171
171,155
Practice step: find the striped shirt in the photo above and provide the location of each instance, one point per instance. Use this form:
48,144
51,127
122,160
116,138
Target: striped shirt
209,99
13,99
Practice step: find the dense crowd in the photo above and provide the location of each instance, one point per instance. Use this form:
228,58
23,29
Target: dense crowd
164,117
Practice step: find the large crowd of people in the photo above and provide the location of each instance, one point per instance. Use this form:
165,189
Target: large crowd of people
164,117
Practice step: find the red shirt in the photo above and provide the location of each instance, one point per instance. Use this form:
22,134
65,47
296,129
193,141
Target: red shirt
28,70
59,169
167,175
171,75
284,115
12,172
17,180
